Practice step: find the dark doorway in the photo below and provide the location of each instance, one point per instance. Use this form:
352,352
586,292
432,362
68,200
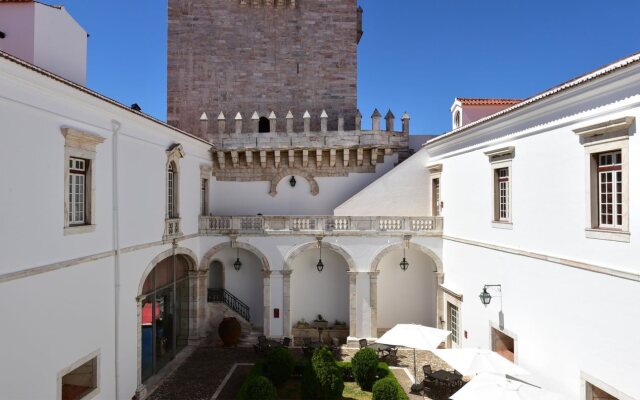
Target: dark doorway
264,125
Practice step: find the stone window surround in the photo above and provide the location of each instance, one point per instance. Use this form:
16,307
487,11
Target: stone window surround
586,383
95,392
205,173
501,158
598,138
173,227
435,172
455,300
80,144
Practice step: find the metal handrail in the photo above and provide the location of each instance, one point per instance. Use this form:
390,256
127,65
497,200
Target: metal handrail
224,296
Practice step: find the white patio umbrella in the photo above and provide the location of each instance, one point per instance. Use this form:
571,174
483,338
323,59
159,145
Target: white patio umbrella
472,361
414,336
489,386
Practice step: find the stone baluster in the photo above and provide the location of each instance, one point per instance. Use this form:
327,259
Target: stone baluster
324,118
375,120
390,119
238,123
289,118
307,121
222,123
273,122
255,122
405,123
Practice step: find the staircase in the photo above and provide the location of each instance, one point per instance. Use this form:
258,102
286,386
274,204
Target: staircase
222,304
236,305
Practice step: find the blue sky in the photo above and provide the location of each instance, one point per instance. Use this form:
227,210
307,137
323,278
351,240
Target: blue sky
415,56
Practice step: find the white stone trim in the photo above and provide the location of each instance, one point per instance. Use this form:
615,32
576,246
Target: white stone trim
173,225
501,153
95,392
630,275
456,300
612,126
79,144
587,380
492,326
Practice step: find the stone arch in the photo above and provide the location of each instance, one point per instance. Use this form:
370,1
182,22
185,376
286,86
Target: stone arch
373,288
287,270
210,256
315,188
293,253
191,258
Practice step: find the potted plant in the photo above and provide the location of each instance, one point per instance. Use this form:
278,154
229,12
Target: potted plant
302,324
320,322
339,324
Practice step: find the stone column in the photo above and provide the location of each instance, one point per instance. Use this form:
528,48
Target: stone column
286,302
373,301
194,308
266,297
353,314
440,311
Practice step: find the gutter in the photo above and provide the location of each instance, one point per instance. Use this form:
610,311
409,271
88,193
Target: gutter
115,127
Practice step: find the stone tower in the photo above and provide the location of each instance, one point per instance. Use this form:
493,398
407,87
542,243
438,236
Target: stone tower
257,59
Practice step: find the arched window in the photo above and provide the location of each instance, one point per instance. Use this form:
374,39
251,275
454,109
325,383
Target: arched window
457,120
164,314
263,125
172,191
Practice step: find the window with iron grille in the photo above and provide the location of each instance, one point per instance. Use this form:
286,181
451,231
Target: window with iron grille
204,188
452,317
171,191
610,205
77,191
503,188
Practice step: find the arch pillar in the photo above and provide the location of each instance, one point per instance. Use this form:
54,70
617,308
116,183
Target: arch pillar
266,293
286,301
373,301
353,303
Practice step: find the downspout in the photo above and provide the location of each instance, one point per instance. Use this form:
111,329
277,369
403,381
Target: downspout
115,127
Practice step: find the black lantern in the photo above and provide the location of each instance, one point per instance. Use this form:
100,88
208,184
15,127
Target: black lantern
485,297
320,264
238,264
404,264
292,181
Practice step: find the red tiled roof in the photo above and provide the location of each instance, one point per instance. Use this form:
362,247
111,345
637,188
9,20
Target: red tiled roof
487,102
90,92
580,80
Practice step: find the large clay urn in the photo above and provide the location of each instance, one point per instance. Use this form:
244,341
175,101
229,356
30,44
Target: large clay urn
230,331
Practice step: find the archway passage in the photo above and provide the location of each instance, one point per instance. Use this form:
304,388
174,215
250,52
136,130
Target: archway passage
406,297
316,293
245,284
164,314
263,125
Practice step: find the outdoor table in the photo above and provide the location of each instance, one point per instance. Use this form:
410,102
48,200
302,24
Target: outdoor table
443,379
380,348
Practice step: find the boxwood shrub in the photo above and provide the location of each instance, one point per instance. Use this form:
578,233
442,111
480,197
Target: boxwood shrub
257,387
365,368
278,365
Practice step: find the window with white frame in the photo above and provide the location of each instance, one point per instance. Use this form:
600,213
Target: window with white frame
502,194
503,202
606,148
77,190
610,205
452,323
435,193
79,182
171,191
81,380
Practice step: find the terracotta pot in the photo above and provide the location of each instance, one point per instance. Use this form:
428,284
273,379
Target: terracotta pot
229,331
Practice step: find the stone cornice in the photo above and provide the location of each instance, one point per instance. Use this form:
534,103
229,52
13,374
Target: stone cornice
82,140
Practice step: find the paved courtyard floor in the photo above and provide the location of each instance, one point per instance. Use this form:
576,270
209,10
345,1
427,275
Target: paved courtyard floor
202,373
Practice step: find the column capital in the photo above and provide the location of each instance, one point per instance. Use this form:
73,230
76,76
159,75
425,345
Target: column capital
266,274
286,272
373,274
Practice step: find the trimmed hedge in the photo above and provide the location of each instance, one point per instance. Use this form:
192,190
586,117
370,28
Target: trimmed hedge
387,387
279,365
257,387
365,368
323,378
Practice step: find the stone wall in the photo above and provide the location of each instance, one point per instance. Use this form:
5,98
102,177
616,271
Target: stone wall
261,55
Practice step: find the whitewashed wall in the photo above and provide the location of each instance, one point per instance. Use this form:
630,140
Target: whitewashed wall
251,198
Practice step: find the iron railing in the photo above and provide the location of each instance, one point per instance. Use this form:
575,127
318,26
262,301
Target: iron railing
234,303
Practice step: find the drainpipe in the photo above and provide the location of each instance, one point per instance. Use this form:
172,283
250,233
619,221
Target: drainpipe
115,127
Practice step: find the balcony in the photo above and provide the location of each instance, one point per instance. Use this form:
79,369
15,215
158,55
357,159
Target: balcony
329,225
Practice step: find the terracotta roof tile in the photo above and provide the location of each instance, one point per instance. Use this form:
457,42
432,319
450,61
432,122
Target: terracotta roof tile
487,102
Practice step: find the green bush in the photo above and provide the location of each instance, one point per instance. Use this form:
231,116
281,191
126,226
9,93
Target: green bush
365,368
328,374
310,389
347,372
279,365
257,387
385,389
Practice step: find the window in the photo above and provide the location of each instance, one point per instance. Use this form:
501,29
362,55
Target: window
80,381
502,194
435,192
79,182
204,190
452,323
171,191
607,179
503,344
596,389
457,120
77,190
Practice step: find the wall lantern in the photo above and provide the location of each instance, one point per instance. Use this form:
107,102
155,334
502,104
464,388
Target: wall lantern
238,264
485,296
404,264
292,181
320,264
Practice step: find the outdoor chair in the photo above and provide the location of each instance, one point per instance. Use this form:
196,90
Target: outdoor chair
428,380
286,342
457,380
262,339
261,348
363,343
